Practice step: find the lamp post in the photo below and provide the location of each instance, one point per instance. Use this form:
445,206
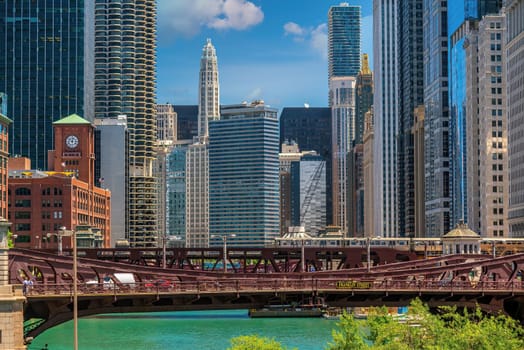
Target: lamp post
37,238
63,231
75,293
224,240
369,253
303,257
164,243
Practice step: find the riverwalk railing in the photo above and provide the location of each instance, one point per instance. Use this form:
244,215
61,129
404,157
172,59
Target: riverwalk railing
254,286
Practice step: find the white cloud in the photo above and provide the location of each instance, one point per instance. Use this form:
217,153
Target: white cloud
187,17
237,14
319,39
316,37
291,28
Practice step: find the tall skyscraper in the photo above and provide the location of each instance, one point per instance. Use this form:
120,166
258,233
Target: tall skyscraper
356,196
244,176
310,127
463,18
419,172
125,83
289,153
166,137
355,189
486,120
367,170
344,28
364,98
386,116
197,195
46,69
176,191
411,95
515,86
436,119
209,91
302,189
111,170
342,101
197,169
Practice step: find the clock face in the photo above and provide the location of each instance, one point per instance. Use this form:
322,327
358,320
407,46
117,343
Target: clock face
72,141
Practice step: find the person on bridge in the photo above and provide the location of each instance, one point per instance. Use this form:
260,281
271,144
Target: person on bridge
26,285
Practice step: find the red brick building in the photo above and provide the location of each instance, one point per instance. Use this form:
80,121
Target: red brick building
40,202
4,156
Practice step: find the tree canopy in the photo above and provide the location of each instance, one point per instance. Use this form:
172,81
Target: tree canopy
420,330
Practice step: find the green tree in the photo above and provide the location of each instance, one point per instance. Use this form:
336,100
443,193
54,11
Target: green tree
254,342
10,240
450,330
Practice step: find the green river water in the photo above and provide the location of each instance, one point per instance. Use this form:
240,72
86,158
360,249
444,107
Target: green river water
211,330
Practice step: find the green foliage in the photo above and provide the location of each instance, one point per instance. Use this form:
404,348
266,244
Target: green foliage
10,241
450,330
349,335
254,342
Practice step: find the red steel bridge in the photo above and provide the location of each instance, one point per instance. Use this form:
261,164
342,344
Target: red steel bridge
193,279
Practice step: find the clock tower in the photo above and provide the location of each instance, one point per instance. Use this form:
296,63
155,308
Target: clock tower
74,148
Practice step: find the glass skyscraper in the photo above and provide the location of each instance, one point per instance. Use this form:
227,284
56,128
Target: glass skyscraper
46,69
310,128
176,191
462,18
436,120
411,95
386,117
344,28
244,176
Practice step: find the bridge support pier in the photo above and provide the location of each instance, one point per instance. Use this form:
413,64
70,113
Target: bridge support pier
11,300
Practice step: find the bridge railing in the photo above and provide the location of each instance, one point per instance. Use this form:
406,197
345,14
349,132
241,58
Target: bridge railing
276,285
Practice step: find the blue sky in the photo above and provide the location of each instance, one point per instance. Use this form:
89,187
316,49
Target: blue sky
273,50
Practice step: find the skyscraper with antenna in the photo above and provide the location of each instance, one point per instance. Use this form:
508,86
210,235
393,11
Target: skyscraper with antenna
197,158
209,90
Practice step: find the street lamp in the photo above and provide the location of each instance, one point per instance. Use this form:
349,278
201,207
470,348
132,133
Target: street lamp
164,243
63,231
224,240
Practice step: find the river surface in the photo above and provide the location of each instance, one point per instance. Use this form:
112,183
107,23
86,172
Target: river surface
184,330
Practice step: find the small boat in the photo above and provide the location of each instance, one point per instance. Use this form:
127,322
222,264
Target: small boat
315,309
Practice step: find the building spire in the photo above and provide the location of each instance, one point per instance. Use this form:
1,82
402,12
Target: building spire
365,65
209,91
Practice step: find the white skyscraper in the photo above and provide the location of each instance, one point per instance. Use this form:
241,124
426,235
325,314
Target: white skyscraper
209,90
197,158
342,102
386,116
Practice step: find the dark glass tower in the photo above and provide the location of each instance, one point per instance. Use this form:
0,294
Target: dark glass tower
344,40
411,95
310,128
244,176
46,69
436,119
